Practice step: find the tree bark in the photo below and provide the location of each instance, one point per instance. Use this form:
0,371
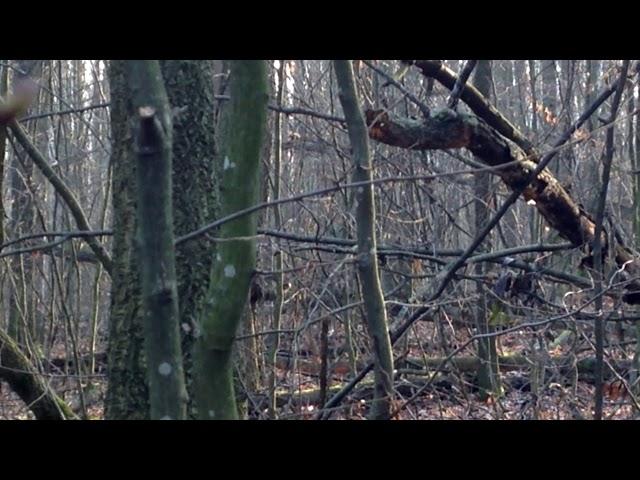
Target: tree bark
235,259
274,344
4,75
488,371
190,88
167,394
375,313
127,396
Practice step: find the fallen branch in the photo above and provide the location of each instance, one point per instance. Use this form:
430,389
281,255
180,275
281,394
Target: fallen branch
447,129
562,363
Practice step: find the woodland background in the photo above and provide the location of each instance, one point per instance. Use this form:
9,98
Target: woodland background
499,305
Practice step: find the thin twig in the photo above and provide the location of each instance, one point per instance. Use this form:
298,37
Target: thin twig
460,83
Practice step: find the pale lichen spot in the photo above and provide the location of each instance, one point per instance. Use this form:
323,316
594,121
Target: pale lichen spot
197,331
212,413
227,164
230,271
186,327
372,251
164,369
360,189
218,257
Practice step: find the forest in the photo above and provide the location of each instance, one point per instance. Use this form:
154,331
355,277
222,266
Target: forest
319,239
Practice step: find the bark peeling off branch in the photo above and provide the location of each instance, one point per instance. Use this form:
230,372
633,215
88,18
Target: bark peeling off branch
447,129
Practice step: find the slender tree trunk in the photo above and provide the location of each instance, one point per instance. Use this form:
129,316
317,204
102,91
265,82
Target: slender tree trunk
277,256
591,77
591,87
636,231
488,372
534,99
598,247
549,90
375,312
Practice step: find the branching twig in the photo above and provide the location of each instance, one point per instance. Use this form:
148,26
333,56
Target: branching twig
424,109
460,83
597,243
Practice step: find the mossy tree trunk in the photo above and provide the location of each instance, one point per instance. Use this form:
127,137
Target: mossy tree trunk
235,258
375,312
189,85
127,395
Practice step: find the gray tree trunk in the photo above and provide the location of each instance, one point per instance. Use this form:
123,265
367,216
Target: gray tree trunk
488,371
376,315
167,394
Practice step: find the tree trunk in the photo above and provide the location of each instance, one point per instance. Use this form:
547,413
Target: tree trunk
376,315
235,259
167,394
190,87
127,396
488,372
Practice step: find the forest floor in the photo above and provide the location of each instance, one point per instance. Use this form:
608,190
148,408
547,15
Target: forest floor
451,395
438,404
457,399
